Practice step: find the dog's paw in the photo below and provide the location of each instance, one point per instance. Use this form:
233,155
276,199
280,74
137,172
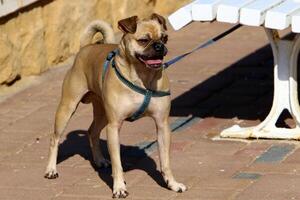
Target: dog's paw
177,187
120,191
51,174
120,194
102,163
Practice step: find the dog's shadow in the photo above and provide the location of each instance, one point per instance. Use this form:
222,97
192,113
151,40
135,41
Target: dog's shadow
133,157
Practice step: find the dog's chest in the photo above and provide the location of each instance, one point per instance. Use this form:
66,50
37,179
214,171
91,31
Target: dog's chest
134,101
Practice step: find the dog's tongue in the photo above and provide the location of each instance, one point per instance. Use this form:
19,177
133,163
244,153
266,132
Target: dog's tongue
153,62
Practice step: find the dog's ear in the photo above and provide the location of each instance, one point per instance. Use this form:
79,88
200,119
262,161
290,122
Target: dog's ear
128,25
160,19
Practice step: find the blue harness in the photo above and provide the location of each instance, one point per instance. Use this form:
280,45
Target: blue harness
148,94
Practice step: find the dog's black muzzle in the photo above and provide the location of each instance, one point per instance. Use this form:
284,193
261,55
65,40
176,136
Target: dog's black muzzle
160,48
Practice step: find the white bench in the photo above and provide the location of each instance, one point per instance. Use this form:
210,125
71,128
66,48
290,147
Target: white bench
273,15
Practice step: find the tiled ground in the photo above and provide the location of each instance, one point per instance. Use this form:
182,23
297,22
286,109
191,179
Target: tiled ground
225,84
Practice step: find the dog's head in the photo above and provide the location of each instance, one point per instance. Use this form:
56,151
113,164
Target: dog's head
144,40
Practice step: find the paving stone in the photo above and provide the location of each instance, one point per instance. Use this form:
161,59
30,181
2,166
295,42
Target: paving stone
9,147
87,191
294,157
183,122
275,153
270,168
206,166
74,197
32,176
211,126
151,192
10,193
215,148
245,175
223,182
272,187
206,194
253,149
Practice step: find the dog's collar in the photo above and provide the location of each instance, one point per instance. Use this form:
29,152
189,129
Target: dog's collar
146,92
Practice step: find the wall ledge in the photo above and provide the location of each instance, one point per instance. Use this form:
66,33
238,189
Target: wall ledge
10,6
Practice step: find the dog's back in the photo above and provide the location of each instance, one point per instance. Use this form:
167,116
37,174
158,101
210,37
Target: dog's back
93,52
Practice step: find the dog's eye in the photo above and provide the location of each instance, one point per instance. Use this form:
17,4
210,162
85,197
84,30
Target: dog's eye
144,40
164,38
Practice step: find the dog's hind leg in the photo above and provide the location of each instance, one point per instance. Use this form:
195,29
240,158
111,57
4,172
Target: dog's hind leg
74,88
99,122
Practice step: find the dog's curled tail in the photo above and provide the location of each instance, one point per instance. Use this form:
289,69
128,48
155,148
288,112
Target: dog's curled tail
94,27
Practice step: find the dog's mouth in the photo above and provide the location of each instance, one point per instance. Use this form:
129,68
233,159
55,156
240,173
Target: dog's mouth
153,62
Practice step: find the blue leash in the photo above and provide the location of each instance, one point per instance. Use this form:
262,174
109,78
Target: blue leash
201,46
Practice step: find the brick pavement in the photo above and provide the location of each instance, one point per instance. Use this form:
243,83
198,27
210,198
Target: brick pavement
228,83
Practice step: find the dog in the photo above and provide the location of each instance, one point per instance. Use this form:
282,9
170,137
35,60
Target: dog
139,60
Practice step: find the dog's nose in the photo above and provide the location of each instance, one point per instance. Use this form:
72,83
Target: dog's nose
158,47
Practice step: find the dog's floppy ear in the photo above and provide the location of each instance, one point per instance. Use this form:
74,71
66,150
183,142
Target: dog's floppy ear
128,25
160,19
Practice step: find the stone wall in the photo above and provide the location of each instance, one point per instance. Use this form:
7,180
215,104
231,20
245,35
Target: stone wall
47,32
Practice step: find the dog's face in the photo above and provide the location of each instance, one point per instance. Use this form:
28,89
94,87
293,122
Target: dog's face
144,41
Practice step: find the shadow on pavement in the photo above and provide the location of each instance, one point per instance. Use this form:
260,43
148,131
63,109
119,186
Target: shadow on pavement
243,90
133,157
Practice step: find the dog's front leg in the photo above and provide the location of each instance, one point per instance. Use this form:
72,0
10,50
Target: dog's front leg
164,140
119,188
